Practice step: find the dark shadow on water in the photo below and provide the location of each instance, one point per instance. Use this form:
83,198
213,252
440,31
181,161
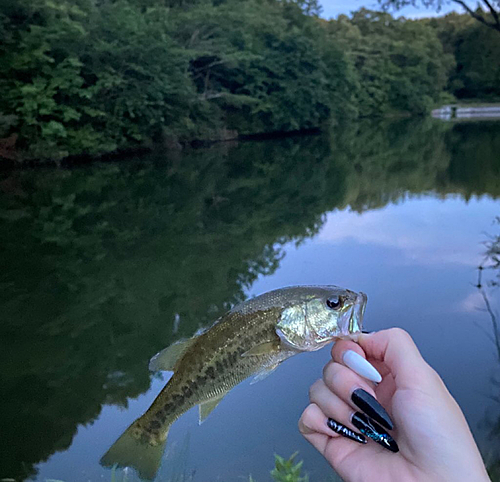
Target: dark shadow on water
102,266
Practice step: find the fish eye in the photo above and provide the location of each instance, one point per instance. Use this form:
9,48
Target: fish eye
334,302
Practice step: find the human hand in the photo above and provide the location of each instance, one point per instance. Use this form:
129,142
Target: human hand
435,442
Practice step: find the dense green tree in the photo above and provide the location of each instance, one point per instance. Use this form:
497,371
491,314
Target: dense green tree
476,51
259,65
478,65
88,76
85,79
400,64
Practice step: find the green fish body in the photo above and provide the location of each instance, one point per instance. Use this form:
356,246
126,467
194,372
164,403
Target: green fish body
251,339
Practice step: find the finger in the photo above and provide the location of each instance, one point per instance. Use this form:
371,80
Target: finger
348,422
341,346
312,425
338,412
396,349
330,404
314,420
343,381
356,392
385,390
353,356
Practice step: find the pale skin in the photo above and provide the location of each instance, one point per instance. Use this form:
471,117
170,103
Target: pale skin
435,442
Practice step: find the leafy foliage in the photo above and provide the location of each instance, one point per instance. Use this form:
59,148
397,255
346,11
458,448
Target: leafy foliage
286,470
256,65
476,50
400,65
84,77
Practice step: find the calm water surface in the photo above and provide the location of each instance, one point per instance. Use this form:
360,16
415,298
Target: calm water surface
103,266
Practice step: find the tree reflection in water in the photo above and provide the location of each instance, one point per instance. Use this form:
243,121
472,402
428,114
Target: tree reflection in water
102,266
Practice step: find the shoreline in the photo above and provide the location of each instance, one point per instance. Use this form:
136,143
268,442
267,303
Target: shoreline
10,163
465,111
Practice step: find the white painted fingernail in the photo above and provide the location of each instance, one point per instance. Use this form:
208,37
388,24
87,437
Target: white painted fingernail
361,366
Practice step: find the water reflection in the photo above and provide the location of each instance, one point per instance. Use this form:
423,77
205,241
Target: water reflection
103,266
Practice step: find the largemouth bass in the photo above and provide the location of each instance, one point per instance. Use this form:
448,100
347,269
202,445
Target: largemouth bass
251,339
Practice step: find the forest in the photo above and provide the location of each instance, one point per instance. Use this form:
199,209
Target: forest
86,77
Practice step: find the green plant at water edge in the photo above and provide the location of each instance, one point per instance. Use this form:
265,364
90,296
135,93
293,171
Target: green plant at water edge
286,470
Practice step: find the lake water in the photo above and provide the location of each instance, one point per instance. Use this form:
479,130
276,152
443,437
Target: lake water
102,266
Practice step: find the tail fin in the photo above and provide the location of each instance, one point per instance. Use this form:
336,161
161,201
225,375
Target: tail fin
130,451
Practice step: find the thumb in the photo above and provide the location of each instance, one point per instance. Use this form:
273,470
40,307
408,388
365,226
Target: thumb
397,350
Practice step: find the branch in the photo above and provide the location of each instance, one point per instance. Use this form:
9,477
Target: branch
493,12
214,96
193,37
478,17
209,66
494,322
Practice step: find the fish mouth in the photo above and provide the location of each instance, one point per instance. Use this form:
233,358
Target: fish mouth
357,314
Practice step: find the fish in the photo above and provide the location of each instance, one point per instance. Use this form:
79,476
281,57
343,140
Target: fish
253,338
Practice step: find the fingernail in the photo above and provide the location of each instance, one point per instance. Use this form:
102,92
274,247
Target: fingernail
368,404
372,429
361,366
345,432
365,332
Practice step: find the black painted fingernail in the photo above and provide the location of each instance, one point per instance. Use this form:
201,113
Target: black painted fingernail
366,403
345,432
372,429
366,332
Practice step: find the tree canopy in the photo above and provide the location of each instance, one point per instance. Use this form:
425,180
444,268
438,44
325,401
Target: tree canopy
88,76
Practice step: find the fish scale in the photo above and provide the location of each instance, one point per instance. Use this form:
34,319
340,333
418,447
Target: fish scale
212,381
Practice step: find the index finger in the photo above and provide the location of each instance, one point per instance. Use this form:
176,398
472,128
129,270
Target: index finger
373,370
391,351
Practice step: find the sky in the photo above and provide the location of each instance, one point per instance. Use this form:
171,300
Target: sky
333,8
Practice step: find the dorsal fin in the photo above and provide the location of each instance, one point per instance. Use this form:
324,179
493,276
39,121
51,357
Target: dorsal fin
166,359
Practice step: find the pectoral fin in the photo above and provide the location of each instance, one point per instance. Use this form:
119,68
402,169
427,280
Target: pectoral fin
166,359
264,373
280,356
205,409
267,348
